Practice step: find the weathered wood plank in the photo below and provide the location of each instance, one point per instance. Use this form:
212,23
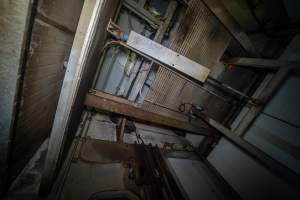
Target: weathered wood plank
110,103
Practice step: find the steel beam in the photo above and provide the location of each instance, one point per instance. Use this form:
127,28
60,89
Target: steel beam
109,103
259,63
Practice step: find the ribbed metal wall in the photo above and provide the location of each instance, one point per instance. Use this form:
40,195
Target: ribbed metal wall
202,39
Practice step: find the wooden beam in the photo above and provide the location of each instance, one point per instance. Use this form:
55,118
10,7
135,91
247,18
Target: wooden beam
110,103
274,166
112,97
258,63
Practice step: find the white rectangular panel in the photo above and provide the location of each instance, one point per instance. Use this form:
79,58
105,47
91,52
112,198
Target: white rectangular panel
168,57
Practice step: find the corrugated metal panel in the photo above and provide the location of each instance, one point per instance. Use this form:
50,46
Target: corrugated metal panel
50,45
202,39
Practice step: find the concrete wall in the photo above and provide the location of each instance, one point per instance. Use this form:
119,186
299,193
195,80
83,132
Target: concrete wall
53,30
13,24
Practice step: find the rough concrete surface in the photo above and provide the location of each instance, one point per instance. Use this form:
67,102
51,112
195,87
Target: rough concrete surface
13,18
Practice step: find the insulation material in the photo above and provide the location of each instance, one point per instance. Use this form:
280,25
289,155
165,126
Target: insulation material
202,39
